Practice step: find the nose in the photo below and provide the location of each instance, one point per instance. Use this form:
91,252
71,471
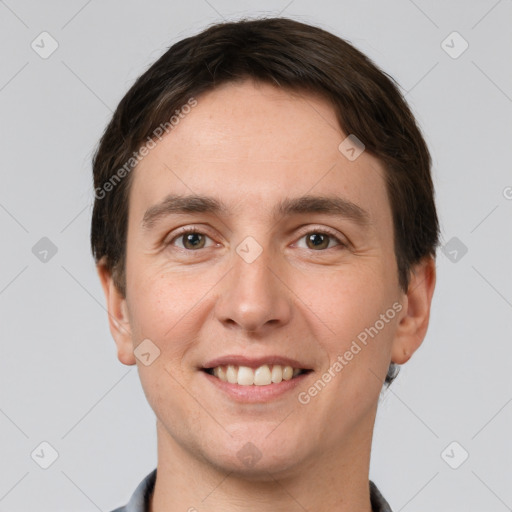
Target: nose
254,296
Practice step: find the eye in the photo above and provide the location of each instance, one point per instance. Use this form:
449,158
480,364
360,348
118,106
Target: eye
320,239
316,240
192,239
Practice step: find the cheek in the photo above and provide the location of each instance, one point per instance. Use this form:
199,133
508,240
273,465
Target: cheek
162,309
355,313
350,297
356,345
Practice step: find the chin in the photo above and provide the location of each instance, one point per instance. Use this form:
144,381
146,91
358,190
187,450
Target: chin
254,454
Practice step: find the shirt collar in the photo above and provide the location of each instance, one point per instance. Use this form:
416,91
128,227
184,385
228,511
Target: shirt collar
139,502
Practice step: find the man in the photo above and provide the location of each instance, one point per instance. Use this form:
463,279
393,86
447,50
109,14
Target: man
265,232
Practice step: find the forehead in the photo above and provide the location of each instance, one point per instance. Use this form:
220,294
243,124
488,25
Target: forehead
254,144
268,122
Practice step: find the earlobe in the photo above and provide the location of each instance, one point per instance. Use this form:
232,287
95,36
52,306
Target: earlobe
413,323
118,317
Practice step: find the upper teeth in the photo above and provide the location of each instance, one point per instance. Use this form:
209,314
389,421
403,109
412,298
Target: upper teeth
261,376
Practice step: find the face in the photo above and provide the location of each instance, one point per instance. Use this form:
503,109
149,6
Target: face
289,263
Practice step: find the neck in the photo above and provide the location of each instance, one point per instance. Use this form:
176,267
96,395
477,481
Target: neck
337,480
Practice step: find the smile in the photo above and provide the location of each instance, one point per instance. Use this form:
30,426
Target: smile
263,375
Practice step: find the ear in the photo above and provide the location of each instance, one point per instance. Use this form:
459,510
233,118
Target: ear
118,318
415,315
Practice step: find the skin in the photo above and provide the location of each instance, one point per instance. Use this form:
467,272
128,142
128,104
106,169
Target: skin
252,145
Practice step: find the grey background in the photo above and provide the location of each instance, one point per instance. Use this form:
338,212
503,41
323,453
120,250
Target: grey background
60,380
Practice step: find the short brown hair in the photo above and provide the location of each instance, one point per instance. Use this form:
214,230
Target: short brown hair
297,57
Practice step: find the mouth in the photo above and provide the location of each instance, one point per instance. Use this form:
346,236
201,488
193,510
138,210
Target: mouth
263,375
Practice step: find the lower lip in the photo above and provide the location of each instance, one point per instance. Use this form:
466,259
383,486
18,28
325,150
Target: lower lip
255,394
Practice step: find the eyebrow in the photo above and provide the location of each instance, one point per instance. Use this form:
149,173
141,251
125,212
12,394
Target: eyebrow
329,205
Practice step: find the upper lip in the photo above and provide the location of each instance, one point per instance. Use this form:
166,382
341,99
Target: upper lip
254,362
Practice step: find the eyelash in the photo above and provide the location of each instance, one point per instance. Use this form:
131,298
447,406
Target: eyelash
323,231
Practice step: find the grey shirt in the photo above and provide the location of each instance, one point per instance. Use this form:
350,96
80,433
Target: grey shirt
139,502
